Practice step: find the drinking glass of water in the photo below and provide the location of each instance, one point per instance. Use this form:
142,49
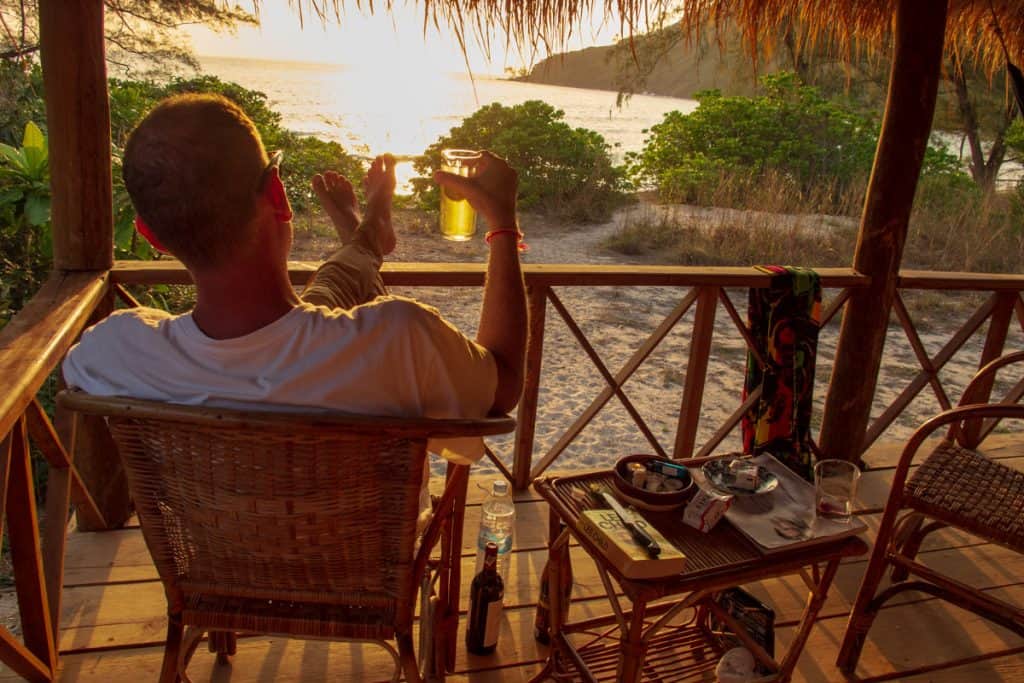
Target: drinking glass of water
835,487
458,218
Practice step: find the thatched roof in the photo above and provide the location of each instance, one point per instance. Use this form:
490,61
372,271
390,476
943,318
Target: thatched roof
974,26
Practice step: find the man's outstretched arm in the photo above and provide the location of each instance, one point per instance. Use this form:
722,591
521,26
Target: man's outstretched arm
503,319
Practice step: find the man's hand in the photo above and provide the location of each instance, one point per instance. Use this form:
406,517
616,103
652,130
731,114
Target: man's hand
491,191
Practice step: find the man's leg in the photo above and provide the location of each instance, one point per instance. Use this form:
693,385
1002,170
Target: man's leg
351,276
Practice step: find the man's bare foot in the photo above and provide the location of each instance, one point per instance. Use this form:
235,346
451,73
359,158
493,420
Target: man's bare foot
338,199
379,186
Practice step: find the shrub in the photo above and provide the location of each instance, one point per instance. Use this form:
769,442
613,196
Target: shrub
791,131
562,170
25,237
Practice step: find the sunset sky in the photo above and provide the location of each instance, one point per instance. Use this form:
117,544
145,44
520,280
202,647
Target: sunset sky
396,39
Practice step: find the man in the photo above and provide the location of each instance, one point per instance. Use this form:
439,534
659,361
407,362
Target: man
205,189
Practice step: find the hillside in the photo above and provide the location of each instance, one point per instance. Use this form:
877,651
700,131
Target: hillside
676,67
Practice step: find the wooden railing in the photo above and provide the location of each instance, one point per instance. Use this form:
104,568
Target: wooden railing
701,289
704,292
33,344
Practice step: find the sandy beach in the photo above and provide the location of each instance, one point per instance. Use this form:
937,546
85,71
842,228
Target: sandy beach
617,320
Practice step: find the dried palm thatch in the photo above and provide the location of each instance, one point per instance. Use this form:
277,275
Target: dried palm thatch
976,29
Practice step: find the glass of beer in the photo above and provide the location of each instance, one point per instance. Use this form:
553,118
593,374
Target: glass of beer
458,218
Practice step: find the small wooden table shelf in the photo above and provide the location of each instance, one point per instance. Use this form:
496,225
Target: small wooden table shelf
649,642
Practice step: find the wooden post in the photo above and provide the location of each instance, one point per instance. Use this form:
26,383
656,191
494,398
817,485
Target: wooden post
919,34
696,372
526,420
78,126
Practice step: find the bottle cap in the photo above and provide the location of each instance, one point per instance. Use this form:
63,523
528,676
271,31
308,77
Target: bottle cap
499,487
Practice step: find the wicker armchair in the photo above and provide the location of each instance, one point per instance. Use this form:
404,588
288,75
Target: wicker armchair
294,524
955,486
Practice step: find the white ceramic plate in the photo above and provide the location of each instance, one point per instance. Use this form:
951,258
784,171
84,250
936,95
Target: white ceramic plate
719,475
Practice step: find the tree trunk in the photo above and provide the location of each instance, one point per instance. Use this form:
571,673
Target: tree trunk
984,168
917,60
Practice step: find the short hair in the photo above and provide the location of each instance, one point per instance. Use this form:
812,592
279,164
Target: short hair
193,168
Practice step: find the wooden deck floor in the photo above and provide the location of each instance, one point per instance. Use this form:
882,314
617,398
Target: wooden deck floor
113,623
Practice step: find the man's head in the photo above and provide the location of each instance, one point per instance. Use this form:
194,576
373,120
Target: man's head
196,171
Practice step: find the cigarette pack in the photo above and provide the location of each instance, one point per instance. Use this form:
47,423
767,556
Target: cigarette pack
705,509
745,473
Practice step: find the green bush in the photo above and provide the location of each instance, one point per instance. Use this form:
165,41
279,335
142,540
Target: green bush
789,130
562,170
25,236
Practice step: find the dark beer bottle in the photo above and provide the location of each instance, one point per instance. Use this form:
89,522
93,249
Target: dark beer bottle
485,597
542,617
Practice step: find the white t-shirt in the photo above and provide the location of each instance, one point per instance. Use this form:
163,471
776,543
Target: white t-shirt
392,356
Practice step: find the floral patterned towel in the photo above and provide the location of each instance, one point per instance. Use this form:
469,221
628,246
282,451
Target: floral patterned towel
783,320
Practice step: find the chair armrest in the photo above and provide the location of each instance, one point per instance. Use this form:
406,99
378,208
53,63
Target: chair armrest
984,377
453,497
979,390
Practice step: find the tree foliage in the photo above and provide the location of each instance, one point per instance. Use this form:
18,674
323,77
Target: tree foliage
790,132
565,171
142,28
25,242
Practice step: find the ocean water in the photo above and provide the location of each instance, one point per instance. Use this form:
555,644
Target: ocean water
370,115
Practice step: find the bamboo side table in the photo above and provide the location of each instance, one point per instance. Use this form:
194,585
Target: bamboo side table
645,641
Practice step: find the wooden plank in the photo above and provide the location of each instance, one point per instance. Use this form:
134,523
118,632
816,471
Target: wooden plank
526,417
696,372
26,556
130,614
995,340
121,556
909,638
267,659
945,354
22,662
49,444
918,34
121,615
977,282
412,274
34,342
58,502
73,56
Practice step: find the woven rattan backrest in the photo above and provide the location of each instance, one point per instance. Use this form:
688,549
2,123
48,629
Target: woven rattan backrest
276,506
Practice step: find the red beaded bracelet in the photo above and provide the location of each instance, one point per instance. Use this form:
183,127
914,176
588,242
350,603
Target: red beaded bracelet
504,231
510,231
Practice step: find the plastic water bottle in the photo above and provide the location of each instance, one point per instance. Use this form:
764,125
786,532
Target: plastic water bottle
497,517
